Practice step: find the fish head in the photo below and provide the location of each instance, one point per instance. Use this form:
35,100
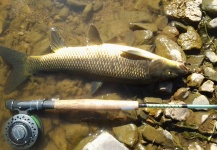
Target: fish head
161,69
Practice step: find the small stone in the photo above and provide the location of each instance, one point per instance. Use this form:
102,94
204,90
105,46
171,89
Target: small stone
207,86
87,12
210,73
127,134
105,141
210,6
64,12
161,22
179,114
201,100
212,23
181,94
211,56
194,146
143,26
190,40
195,80
76,3
213,146
142,37
97,5
20,33
171,32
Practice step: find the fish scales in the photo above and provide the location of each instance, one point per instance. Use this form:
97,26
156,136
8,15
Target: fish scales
93,60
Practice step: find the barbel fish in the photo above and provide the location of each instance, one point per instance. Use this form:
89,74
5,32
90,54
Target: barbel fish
101,61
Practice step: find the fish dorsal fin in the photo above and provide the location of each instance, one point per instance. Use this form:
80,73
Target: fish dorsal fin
93,37
142,54
56,41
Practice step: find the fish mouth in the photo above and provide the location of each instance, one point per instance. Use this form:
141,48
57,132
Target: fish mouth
184,68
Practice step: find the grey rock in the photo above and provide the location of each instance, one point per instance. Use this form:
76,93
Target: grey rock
195,80
201,100
167,48
187,9
190,40
211,56
207,86
127,134
179,114
105,141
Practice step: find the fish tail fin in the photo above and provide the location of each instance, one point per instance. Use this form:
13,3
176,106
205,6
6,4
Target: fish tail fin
17,61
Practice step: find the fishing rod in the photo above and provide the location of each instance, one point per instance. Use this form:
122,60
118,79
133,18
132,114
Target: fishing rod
22,130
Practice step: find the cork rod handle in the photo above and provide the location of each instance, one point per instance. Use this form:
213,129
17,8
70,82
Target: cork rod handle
96,104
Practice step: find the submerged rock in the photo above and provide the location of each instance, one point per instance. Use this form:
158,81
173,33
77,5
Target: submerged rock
211,56
194,146
143,37
167,48
127,134
195,80
105,141
190,40
201,100
186,9
161,22
179,114
171,32
3,17
207,86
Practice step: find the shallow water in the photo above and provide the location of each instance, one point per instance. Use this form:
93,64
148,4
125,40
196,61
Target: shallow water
27,29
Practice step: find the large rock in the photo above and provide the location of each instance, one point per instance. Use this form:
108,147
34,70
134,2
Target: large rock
184,9
127,134
105,141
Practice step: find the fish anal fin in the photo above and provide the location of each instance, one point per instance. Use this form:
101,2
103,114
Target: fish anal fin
95,85
93,36
56,41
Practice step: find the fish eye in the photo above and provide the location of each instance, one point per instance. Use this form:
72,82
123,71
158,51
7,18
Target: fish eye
169,72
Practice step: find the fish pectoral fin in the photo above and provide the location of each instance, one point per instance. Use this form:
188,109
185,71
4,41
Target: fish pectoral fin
95,85
56,41
93,37
135,54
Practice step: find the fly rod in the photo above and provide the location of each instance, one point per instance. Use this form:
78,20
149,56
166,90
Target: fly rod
93,104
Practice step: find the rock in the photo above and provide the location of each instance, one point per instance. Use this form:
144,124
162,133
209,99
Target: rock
207,86
3,17
127,134
161,22
211,56
76,3
63,13
97,6
210,73
171,32
185,9
158,136
181,94
190,40
88,11
179,114
194,146
210,6
195,60
143,26
146,4
105,141
201,100
195,80
213,146
142,37
212,24
167,48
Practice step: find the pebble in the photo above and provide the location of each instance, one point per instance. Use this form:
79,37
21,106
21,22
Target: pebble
201,100
181,94
210,73
207,86
211,56
105,141
171,32
210,6
179,114
212,23
161,22
194,146
195,80
142,37
87,12
213,146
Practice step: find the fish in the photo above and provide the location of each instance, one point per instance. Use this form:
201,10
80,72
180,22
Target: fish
98,61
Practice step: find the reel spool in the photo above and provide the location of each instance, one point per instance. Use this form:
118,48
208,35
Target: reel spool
21,131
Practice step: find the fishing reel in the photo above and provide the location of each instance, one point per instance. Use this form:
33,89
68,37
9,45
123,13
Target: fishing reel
22,130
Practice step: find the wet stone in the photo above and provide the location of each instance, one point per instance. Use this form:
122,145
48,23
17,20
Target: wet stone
190,40
207,86
105,141
211,56
181,94
143,26
158,136
76,3
142,37
127,134
195,80
187,9
87,12
201,100
167,48
171,32
210,6
161,22
179,114
194,146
